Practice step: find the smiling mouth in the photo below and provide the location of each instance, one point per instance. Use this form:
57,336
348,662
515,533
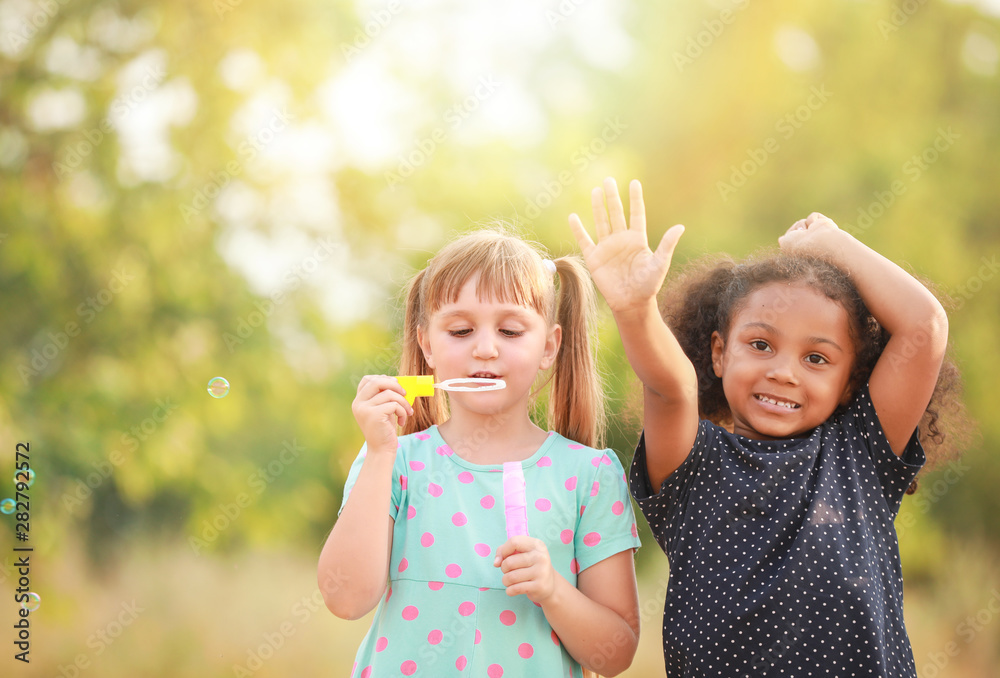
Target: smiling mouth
483,375
780,403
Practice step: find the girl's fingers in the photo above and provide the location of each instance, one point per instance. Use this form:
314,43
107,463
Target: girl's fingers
637,207
616,211
583,239
600,213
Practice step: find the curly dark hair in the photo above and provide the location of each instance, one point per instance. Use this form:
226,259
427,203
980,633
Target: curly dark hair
711,290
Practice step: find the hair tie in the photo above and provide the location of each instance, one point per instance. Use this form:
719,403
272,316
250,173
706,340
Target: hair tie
549,265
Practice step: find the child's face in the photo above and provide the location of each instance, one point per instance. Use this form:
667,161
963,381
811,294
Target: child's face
483,338
787,363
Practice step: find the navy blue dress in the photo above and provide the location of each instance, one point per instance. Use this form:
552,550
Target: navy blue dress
783,554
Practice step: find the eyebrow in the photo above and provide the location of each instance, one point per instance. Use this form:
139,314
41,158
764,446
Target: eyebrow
464,313
774,330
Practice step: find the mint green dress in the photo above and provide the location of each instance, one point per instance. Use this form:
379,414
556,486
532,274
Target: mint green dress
446,612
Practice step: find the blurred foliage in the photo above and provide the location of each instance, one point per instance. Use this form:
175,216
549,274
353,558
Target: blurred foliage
190,190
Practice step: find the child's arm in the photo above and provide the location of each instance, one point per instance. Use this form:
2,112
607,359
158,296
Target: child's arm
630,275
597,621
905,375
354,563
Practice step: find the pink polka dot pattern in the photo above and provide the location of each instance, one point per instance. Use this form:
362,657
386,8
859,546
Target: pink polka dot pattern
543,504
635,532
574,566
422,436
545,461
566,536
571,483
592,539
465,477
595,489
426,539
479,637
575,446
417,465
618,508
461,662
367,672
494,671
444,451
507,617
525,650
434,637
459,519
408,668
435,585
402,482
381,644
453,571
487,501
434,490
555,638
403,564
466,608
410,613
483,550
411,512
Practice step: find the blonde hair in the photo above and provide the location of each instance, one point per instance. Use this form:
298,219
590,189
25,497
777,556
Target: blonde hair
512,270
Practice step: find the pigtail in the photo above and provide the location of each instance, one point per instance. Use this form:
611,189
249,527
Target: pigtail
427,410
691,308
576,399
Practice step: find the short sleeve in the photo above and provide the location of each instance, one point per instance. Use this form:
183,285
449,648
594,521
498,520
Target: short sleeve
397,481
662,507
895,473
606,525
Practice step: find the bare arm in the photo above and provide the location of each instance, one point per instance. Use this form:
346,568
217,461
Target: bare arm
905,375
597,621
630,275
354,563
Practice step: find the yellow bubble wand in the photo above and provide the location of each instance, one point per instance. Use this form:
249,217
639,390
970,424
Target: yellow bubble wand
424,385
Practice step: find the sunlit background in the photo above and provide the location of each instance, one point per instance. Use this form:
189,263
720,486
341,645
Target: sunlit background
236,188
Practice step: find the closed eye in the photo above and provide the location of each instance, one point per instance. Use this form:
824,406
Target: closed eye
511,333
460,333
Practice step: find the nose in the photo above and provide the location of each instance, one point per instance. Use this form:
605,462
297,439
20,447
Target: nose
485,347
783,369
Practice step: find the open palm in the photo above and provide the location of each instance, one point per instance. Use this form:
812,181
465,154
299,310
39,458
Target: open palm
626,271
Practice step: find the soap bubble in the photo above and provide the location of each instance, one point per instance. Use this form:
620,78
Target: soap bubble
7,506
218,387
26,476
32,603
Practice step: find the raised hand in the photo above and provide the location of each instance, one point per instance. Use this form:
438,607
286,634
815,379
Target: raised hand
378,408
626,271
806,236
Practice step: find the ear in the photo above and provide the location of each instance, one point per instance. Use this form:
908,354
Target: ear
552,343
718,349
425,346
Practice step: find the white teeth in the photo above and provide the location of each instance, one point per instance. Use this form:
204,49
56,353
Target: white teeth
780,403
